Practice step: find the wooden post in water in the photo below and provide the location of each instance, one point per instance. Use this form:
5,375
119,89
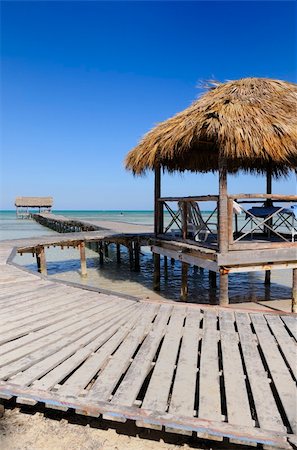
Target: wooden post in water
184,284
131,259
212,279
136,256
165,267
294,292
118,253
101,257
106,249
157,225
268,191
83,261
223,228
41,261
156,285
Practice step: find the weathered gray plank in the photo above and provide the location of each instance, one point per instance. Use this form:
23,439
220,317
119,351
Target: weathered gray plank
283,381
285,341
182,399
209,377
267,412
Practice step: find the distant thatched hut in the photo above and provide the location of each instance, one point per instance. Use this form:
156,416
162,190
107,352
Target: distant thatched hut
248,124
24,205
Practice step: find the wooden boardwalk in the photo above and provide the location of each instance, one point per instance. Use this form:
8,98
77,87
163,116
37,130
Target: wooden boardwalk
211,372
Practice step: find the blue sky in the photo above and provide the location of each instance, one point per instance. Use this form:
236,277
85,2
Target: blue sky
81,82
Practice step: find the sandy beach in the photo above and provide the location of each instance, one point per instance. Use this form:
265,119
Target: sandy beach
21,431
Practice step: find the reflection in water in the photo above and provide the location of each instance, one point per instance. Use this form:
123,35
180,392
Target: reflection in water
243,287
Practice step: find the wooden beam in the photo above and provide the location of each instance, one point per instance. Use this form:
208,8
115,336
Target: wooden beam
197,198
223,206
157,195
185,220
287,198
269,222
118,253
185,257
224,294
156,285
294,291
212,279
184,282
83,262
41,261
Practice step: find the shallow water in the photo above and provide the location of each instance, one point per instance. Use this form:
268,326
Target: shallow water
65,265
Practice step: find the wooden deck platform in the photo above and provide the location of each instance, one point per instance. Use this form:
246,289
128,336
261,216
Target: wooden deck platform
211,372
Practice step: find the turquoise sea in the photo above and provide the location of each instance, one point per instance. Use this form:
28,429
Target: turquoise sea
65,265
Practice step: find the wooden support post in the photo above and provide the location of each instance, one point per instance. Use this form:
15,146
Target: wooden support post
83,261
201,270
185,220
223,207
106,249
136,256
118,253
195,270
172,261
224,296
269,223
101,257
130,249
165,267
223,231
294,291
156,285
212,279
158,209
41,261
267,277
184,282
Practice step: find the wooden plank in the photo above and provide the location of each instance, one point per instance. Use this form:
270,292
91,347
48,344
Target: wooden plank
72,315
44,313
77,382
285,341
185,257
267,412
38,325
182,399
108,378
291,324
238,408
94,336
85,319
209,376
131,384
60,372
283,381
156,397
56,343
45,304
261,256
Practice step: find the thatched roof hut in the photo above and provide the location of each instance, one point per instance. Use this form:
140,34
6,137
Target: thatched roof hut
34,202
250,123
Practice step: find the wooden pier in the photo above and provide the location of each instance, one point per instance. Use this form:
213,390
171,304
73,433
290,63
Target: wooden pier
209,372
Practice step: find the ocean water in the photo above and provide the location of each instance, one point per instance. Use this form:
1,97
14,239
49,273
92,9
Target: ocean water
65,265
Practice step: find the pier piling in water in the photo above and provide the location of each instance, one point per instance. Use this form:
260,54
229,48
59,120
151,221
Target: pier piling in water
83,262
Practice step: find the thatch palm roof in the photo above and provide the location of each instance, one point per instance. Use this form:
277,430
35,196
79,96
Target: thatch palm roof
34,202
251,122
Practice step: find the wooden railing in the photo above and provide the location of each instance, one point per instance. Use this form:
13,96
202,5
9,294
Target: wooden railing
245,230
275,227
189,222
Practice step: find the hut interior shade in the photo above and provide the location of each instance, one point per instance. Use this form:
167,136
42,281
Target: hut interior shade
251,123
